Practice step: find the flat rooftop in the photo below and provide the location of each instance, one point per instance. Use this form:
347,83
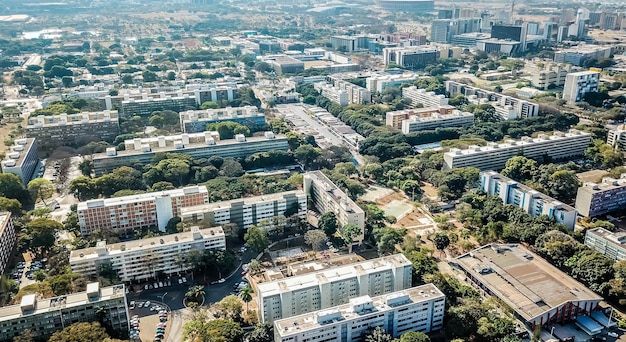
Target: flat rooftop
607,184
42,306
332,274
351,311
72,119
333,190
4,220
18,151
245,200
102,248
108,202
618,238
523,280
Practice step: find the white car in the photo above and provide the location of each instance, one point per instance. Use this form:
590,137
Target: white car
160,284
612,334
221,280
184,280
147,304
180,281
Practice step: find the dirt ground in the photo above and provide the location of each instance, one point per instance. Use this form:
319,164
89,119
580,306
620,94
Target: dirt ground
412,219
591,176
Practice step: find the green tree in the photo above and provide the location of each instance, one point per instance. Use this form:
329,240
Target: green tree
11,187
262,333
414,336
67,81
231,307
39,235
328,223
127,79
315,238
442,241
306,154
12,205
195,293
41,189
255,266
378,335
84,188
231,168
209,105
520,168
387,238
257,239
82,331
149,76
422,265
348,233
246,295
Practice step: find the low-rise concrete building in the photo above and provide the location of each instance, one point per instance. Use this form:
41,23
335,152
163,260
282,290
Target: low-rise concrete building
594,199
611,244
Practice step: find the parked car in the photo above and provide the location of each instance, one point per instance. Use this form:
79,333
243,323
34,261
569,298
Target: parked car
147,304
180,281
184,280
221,280
612,334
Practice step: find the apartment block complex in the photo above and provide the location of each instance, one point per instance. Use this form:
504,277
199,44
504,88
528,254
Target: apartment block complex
419,120
577,55
379,83
531,201
578,84
612,245
195,121
73,129
595,199
155,209
44,317
551,75
197,145
356,94
410,57
327,197
331,287
22,160
395,118
332,93
522,108
145,107
143,259
7,239
245,212
494,156
426,98
419,308
617,138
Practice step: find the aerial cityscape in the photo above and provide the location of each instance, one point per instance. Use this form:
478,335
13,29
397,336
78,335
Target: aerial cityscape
317,171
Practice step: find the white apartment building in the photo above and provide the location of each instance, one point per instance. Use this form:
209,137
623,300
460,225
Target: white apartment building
411,57
332,93
456,118
419,308
612,245
22,160
44,317
378,83
595,199
7,239
247,211
577,84
523,108
577,55
531,201
356,94
52,131
154,209
494,156
427,98
146,258
550,75
396,117
323,289
327,197
194,121
617,138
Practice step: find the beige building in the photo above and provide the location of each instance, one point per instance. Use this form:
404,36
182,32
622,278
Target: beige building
418,308
7,239
327,197
154,209
144,259
331,287
43,317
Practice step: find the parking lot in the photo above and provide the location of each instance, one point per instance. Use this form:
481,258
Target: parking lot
149,321
24,273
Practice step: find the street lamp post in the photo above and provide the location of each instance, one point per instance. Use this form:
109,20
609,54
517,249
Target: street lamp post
552,332
162,297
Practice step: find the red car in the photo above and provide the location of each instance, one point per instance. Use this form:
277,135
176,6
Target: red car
244,273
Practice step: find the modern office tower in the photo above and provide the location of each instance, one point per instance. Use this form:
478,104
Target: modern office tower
379,83
145,107
22,160
419,308
44,317
154,209
538,292
7,239
494,156
420,6
356,94
577,55
561,36
326,288
410,57
395,118
440,31
426,98
349,43
504,46
433,120
469,40
197,145
577,84
617,138
611,244
531,201
195,121
327,197
595,199
332,93
140,260
286,65
551,75
523,108
533,28
247,211
73,129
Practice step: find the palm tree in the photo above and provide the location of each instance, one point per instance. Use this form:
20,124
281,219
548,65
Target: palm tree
195,292
246,295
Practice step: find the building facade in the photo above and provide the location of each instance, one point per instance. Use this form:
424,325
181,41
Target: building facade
145,107
381,82
22,160
523,108
612,245
327,197
332,93
195,121
578,84
456,118
494,156
245,212
419,308
323,289
144,259
140,152
121,214
617,138
44,317
73,129
413,57
426,98
7,240
595,199
531,201
579,54
356,94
